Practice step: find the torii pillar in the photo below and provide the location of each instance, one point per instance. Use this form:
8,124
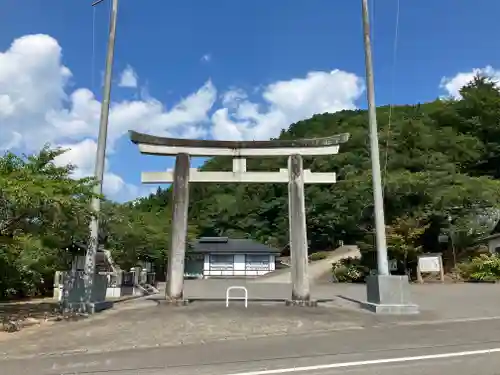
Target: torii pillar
294,175
178,236
298,230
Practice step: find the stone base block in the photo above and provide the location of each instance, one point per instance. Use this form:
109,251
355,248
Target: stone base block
390,309
302,303
174,302
388,294
94,307
100,306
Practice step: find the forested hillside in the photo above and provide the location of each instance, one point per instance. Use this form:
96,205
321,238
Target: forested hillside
440,164
441,175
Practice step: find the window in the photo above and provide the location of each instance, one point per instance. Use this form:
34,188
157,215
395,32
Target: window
257,262
221,262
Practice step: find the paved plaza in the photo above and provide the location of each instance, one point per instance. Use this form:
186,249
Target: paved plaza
367,347
147,323
440,301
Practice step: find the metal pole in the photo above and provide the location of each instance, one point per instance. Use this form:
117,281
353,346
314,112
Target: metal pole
382,262
100,161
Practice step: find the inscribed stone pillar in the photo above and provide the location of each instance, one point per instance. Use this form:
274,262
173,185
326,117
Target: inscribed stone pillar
177,251
137,275
298,229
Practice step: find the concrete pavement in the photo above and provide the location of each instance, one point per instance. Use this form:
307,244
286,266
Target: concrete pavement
443,301
461,348
143,323
461,363
206,338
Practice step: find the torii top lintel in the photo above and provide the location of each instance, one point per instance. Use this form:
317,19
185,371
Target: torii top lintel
149,144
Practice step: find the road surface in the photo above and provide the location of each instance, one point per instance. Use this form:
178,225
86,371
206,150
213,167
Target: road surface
463,347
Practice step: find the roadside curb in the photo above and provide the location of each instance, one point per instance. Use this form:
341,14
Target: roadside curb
348,326
6,357
447,321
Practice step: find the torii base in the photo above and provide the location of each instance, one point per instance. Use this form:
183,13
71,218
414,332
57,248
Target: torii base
301,303
388,294
174,301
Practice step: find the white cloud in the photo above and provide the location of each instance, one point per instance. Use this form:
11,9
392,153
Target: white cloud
128,78
38,106
82,155
150,116
287,102
13,142
452,85
206,58
32,82
36,103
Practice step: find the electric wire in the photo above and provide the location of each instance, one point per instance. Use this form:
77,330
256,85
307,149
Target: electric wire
391,105
92,78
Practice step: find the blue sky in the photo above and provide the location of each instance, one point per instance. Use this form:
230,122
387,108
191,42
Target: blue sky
244,66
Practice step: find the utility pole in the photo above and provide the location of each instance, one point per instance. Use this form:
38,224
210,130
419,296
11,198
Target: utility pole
385,293
100,160
381,242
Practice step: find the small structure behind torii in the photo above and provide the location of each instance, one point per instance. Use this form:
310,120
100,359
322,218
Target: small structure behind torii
294,175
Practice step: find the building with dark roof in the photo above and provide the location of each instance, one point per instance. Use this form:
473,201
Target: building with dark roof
227,257
493,240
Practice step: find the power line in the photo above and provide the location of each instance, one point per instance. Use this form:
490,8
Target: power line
93,50
372,23
391,105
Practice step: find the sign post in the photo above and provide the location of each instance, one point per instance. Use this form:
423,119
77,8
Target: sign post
430,263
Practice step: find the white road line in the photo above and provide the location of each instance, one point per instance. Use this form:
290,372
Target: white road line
448,321
369,362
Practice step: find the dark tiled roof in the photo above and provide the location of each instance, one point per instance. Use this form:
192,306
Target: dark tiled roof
495,233
496,229
229,245
137,138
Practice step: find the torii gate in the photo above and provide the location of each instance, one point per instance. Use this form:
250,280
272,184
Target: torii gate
294,175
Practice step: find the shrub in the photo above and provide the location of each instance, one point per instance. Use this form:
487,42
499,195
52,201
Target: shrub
318,256
349,270
485,267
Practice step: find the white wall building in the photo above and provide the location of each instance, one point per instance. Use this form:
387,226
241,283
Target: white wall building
493,240
225,257
494,243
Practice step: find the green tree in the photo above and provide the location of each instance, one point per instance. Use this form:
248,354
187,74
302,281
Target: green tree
41,207
438,159
138,232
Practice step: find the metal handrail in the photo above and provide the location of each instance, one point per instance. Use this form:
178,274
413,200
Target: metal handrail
245,298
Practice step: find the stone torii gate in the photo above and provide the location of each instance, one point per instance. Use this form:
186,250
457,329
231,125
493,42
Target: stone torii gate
294,175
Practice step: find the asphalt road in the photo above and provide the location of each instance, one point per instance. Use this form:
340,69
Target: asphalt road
458,348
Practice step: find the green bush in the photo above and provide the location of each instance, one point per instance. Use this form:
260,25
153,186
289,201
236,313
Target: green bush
485,267
349,270
318,256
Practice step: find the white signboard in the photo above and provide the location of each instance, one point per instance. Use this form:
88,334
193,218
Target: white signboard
429,263
257,267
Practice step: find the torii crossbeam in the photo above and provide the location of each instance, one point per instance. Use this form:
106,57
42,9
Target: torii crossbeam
294,175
